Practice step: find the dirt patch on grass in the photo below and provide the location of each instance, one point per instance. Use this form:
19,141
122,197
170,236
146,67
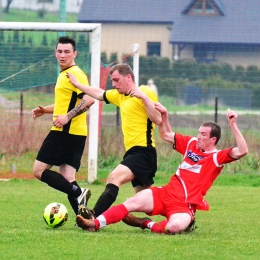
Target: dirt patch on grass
25,176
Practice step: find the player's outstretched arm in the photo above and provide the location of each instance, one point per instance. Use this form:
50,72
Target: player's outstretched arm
241,149
96,93
165,130
40,110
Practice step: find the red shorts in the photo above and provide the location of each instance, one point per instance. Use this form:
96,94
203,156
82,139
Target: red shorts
167,203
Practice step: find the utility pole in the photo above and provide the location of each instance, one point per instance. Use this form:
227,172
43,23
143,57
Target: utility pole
0,10
62,13
62,16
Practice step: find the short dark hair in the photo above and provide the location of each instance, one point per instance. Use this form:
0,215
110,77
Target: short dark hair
67,39
123,69
215,130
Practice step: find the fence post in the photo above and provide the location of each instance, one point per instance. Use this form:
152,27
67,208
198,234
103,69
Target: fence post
21,112
216,109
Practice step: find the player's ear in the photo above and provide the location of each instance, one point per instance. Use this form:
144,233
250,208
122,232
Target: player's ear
214,139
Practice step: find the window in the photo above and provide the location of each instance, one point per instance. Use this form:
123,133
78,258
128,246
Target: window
200,53
203,7
205,53
153,48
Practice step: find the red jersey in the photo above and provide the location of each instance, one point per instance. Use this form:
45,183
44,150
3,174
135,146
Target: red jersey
197,171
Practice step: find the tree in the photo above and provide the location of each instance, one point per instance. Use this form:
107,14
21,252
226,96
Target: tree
8,5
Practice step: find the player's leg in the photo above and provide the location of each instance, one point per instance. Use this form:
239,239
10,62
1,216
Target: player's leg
171,228
180,215
63,150
120,175
69,173
139,166
132,220
52,152
54,179
141,202
144,170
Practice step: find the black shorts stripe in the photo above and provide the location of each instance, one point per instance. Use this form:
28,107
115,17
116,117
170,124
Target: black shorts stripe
72,105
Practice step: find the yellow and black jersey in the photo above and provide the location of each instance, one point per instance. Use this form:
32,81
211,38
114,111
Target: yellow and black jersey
138,129
68,97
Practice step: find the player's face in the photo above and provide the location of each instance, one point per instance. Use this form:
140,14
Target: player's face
65,55
121,83
205,142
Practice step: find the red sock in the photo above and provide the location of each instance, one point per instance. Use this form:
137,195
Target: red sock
97,224
145,224
159,227
115,214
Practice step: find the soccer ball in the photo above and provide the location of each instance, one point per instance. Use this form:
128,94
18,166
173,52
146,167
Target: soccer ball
55,215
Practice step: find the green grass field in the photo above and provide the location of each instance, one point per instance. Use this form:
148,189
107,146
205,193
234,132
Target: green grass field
18,15
228,231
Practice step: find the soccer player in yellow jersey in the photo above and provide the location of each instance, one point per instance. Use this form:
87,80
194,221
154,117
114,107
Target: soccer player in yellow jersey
139,117
64,145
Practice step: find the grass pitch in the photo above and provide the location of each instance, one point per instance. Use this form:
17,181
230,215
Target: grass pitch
228,231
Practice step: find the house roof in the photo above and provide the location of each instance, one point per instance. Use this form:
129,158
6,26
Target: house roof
240,24
130,11
239,21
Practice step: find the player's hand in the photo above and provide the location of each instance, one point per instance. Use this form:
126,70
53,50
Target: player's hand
231,116
73,79
60,121
38,111
160,107
136,92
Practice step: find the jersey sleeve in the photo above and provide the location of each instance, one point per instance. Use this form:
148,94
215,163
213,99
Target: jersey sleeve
111,97
181,142
223,157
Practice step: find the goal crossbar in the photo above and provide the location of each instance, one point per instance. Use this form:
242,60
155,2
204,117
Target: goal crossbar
95,45
55,27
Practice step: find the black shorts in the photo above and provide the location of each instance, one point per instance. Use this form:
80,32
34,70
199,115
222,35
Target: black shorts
142,161
62,148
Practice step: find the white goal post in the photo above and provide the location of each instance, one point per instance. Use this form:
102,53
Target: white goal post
95,29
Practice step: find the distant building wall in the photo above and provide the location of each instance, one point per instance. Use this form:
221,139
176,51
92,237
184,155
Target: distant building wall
118,38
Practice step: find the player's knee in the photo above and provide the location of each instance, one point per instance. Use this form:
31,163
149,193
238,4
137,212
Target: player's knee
173,228
120,176
178,222
177,225
37,172
113,178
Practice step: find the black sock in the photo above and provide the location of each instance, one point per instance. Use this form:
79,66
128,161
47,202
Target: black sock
73,202
106,199
58,182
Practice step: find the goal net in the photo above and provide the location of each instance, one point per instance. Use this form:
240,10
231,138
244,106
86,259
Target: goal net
28,74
